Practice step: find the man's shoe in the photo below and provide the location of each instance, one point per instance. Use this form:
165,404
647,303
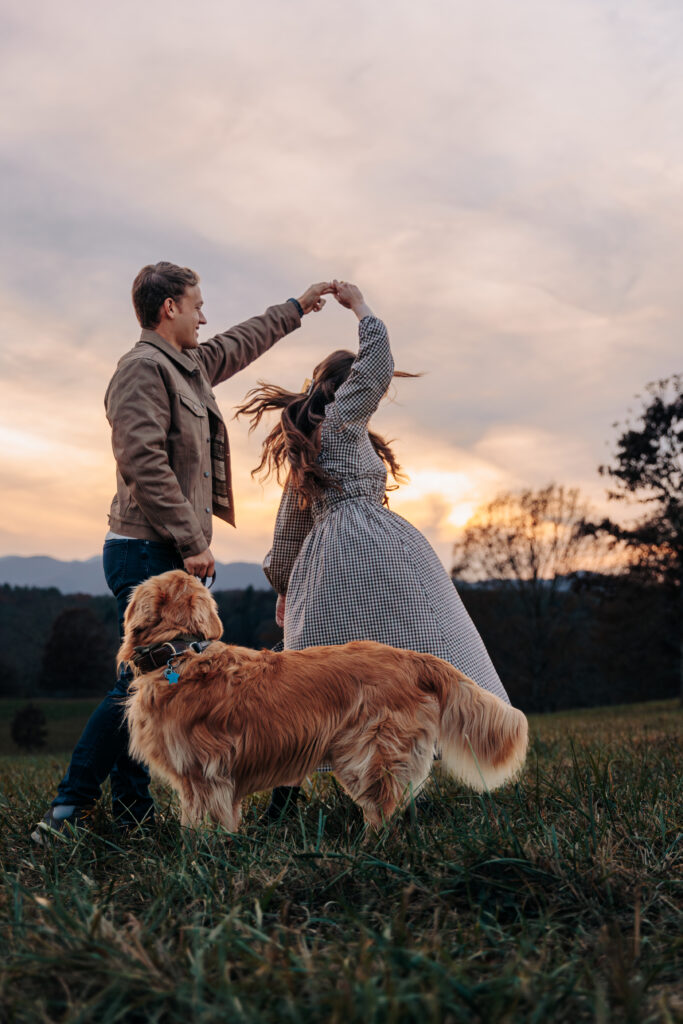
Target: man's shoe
61,822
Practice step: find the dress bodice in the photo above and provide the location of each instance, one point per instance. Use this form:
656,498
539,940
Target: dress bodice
349,457
367,488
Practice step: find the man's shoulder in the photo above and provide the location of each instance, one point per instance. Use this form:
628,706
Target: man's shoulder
143,352
147,368
143,359
155,356
140,363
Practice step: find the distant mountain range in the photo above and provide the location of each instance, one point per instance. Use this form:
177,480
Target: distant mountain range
87,577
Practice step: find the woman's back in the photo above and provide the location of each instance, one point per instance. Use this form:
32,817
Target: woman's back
351,568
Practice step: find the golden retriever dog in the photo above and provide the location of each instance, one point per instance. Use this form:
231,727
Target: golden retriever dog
230,721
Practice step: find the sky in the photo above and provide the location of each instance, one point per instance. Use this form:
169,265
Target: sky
502,180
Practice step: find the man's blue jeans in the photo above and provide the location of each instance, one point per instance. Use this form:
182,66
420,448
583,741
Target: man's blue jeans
102,749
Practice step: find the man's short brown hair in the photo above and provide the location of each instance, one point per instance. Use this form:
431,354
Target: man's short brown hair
154,284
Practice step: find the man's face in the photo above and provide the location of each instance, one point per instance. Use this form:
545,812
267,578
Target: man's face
188,317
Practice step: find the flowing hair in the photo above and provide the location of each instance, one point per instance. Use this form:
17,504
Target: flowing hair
292,447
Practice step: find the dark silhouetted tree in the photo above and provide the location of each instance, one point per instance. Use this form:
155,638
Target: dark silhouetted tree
529,544
248,617
10,680
647,465
526,536
29,728
79,656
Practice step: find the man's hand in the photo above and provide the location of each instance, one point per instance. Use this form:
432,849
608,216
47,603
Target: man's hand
201,565
351,297
312,300
280,610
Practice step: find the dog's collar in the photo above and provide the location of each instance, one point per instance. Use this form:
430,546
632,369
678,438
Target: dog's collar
147,659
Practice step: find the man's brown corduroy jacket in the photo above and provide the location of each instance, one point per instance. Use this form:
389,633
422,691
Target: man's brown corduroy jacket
169,439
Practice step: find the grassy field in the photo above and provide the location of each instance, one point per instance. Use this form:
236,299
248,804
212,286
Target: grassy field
557,899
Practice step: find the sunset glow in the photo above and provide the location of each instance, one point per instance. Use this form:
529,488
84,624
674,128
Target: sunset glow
514,222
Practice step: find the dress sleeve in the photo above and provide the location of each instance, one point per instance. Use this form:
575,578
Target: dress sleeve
360,394
292,526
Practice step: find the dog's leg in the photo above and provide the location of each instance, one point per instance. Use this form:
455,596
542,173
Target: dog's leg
420,767
394,776
381,802
222,806
200,797
377,792
191,809
229,816
378,816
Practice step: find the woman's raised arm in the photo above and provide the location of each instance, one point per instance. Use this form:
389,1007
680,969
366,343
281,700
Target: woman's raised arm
358,397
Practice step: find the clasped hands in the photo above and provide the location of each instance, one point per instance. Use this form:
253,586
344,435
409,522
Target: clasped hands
347,295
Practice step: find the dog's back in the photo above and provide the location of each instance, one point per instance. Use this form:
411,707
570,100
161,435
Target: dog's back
238,721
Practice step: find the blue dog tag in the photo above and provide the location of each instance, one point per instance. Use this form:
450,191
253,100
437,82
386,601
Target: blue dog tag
171,675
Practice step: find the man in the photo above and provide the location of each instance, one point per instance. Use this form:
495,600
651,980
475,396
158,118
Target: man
173,473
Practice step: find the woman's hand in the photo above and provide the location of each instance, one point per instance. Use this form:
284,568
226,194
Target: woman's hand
351,297
280,610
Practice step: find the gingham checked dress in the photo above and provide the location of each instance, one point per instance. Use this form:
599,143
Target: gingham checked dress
351,568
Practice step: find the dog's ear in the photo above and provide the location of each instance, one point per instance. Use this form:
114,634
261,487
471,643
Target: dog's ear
202,613
141,617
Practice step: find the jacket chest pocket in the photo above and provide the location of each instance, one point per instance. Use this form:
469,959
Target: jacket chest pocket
194,405
191,437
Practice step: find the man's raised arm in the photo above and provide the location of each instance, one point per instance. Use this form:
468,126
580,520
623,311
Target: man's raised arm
227,353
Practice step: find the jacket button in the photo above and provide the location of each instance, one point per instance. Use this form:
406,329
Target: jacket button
206,472
207,509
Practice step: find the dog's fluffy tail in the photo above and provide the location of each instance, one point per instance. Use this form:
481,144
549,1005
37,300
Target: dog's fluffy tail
483,739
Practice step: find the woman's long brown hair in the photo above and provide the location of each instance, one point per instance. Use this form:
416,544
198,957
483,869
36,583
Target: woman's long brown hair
292,447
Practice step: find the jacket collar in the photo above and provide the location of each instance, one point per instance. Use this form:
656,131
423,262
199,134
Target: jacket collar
152,338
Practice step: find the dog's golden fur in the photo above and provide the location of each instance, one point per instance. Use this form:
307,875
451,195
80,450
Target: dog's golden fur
239,721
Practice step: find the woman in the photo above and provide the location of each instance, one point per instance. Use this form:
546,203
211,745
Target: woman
344,566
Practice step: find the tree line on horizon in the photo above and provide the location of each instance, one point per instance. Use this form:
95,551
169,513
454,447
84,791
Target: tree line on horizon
575,612
579,610
64,645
